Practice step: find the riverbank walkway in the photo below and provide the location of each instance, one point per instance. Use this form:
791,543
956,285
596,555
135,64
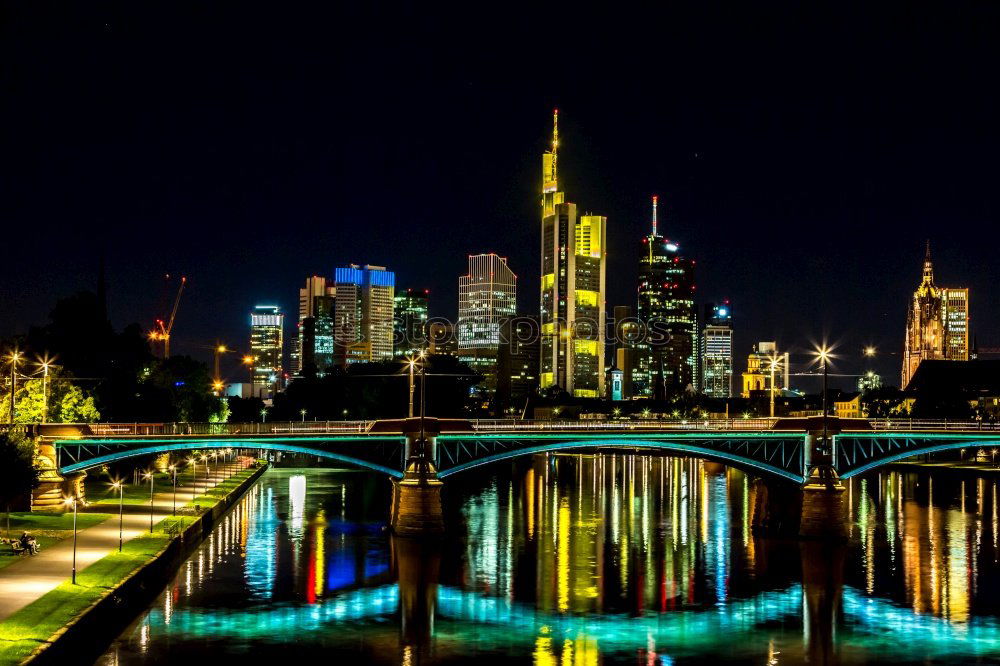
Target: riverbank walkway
24,581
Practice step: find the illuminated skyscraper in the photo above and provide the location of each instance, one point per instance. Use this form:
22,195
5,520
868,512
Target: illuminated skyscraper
364,307
937,323
486,296
266,331
313,351
572,288
666,308
410,312
717,351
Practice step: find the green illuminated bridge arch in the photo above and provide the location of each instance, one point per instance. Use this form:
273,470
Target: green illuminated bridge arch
382,446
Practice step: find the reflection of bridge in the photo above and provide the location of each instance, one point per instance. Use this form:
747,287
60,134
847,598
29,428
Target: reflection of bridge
419,453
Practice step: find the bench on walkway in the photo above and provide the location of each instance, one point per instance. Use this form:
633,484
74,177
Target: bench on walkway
17,548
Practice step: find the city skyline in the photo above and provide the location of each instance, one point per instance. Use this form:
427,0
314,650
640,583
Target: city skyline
741,187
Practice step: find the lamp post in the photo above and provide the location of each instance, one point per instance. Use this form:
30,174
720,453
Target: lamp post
15,358
45,363
411,362
249,361
774,365
263,415
120,487
149,475
173,476
303,413
73,500
824,357
423,397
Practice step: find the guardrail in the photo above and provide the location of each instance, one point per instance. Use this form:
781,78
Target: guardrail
274,428
920,424
523,425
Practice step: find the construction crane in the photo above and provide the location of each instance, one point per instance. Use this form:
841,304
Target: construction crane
164,329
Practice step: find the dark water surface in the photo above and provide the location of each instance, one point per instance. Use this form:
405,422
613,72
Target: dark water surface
572,560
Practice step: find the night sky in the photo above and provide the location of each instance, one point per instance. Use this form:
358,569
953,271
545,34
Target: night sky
802,154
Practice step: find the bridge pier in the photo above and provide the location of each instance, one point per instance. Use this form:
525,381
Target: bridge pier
416,498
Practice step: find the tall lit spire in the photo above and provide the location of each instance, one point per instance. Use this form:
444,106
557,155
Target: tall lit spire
928,266
655,199
555,145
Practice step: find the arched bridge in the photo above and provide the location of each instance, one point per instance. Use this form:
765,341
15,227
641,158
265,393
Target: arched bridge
777,449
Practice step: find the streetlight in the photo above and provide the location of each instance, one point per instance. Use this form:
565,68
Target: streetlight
263,415
249,361
219,350
869,351
149,475
193,461
173,476
411,362
303,413
120,487
774,366
45,363
823,353
73,500
423,400
15,358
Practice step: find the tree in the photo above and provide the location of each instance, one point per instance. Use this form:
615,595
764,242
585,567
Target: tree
67,403
18,472
882,402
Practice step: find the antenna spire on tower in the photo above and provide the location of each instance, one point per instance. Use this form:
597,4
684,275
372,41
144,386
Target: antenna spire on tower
555,143
655,199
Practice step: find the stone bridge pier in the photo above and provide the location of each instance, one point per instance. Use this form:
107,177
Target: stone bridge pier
814,509
416,498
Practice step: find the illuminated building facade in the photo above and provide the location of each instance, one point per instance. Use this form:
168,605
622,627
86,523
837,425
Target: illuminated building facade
364,313
937,323
758,374
716,362
486,296
410,312
666,307
313,348
266,347
572,309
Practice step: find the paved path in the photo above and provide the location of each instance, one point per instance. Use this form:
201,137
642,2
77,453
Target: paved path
28,579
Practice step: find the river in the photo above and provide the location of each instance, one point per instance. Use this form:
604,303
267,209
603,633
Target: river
583,559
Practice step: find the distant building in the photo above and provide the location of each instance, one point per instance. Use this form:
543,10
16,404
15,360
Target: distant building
487,295
976,382
847,406
313,352
626,347
758,374
410,314
716,362
667,309
517,364
266,340
364,313
441,338
572,308
937,323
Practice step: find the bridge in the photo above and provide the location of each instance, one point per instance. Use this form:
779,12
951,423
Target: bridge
418,454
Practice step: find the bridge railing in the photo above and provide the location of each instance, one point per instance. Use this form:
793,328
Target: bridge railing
924,424
273,428
526,425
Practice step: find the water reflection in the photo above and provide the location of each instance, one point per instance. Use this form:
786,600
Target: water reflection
585,560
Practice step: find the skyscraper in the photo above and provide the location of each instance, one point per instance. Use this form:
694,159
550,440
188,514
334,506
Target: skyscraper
266,331
937,323
364,307
572,311
627,345
410,312
666,308
716,362
313,351
486,296
517,364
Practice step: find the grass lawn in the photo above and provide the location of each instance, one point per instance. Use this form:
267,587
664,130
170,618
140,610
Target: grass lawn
28,628
47,528
98,488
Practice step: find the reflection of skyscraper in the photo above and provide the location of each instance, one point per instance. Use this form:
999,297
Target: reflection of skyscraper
572,289
667,309
937,323
364,305
486,296
717,351
409,321
266,324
